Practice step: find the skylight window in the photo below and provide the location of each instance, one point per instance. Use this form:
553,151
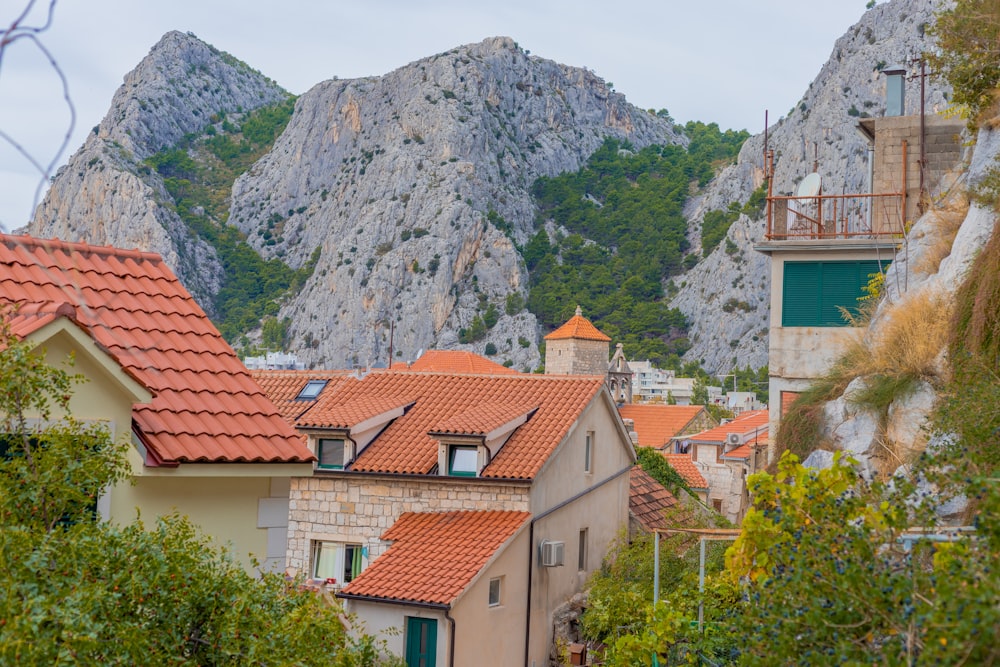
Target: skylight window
311,390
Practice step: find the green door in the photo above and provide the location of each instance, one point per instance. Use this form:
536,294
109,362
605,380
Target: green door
421,642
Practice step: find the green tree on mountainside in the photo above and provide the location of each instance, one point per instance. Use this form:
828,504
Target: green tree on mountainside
627,236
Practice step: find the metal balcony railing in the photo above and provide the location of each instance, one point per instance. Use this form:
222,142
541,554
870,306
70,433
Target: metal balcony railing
825,217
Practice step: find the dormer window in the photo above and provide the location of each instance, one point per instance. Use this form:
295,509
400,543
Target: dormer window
330,453
311,390
463,460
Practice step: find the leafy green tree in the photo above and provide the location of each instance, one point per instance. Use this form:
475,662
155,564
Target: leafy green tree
967,36
75,590
831,579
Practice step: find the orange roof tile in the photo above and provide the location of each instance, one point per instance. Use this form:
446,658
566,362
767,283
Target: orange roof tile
648,499
346,415
657,424
283,386
748,422
687,469
456,361
447,400
580,327
435,556
482,419
206,407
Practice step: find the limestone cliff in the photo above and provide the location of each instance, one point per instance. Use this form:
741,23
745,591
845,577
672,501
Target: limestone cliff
104,196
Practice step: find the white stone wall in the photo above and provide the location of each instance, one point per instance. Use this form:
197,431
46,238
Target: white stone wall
360,508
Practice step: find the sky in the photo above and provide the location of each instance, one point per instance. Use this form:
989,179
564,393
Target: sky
722,61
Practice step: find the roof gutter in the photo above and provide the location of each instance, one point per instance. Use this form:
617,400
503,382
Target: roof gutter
531,548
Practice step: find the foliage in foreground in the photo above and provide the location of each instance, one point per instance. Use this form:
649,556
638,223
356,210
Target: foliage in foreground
74,590
831,580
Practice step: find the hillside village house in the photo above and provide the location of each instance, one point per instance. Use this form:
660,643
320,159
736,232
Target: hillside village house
725,455
824,248
462,509
206,441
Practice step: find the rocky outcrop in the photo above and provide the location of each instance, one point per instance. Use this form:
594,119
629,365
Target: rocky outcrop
817,132
104,195
416,187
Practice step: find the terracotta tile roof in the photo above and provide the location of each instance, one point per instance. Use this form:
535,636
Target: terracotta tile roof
206,408
457,361
283,386
746,423
648,500
406,446
745,451
657,424
348,414
580,327
683,464
482,418
435,556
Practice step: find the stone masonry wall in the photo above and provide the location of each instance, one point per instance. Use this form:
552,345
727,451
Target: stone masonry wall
572,356
359,509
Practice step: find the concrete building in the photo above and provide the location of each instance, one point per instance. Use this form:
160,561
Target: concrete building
825,248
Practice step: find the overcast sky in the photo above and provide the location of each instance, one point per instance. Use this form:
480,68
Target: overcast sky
722,61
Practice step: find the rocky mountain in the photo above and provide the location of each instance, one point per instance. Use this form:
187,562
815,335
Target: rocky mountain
413,185
818,131
101,196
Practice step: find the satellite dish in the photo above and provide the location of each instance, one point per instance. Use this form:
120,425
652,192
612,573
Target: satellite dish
810,185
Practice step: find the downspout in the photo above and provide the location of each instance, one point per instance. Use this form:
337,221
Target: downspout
451,637
531,549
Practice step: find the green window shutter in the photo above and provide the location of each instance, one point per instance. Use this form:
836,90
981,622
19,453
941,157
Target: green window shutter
800,304
815,292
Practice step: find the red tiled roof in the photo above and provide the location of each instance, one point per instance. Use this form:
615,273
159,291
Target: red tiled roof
657,424
206,407
580,327
457,361
687,469
283,386
482,418
346,415
748,422
434,556
406,446
745,451
648,499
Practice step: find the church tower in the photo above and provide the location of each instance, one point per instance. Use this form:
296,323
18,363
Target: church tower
620,377
577,348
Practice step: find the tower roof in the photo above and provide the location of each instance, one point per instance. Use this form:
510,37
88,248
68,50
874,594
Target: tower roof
578,327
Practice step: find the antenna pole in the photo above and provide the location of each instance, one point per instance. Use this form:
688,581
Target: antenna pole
392,331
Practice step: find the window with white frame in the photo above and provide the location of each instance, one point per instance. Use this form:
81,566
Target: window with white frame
463,460
336,562
496,591
331,453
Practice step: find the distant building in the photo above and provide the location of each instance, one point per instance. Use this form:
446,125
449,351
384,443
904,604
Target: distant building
274,361
654,385
577,348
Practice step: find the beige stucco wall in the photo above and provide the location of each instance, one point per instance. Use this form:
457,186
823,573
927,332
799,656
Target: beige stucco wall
225,508
243,507
355,508
388,622
100,397
603,512
495,635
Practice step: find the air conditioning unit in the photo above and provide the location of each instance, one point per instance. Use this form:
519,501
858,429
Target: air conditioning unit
553,553
734,439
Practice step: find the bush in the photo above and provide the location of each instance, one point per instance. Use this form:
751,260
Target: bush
490,349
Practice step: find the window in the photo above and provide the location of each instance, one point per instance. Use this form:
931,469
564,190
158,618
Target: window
717,505
495,589
814,292
582,553
330,452
463,461
588,452
311,390
335,562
